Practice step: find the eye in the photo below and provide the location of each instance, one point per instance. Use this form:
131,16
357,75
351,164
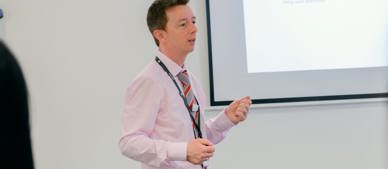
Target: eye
194,21
182,24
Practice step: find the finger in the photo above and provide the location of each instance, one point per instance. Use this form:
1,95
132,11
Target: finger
210,154
204,158
242,110
207,155
205,142
209,149
246,101
246,98
233,106
243,117
246,106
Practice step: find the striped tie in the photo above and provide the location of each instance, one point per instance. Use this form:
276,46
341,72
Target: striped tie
189,96
191,101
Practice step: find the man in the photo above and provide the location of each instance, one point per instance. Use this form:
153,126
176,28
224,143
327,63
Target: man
163,124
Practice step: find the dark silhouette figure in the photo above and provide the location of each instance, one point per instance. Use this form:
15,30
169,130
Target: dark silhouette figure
15,141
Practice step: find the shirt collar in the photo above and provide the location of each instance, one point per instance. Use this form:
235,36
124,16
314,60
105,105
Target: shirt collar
174,68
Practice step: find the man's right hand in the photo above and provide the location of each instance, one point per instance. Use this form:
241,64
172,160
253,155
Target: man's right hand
199,150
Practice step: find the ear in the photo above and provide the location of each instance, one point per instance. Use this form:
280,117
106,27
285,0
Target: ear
159,34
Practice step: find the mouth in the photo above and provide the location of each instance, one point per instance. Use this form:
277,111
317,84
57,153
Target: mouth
192,41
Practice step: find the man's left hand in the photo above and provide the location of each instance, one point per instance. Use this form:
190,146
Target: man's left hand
237,110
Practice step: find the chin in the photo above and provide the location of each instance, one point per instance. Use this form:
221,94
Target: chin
191,49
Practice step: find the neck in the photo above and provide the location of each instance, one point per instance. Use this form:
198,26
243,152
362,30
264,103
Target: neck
179,59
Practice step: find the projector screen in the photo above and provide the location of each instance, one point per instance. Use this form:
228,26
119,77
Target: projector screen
297,50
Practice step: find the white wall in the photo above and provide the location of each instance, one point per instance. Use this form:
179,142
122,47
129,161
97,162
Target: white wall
335,136
79,56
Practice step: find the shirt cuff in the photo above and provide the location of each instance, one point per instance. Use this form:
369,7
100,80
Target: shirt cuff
222,122
177,151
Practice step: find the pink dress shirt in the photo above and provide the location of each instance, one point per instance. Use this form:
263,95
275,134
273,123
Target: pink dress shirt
156,123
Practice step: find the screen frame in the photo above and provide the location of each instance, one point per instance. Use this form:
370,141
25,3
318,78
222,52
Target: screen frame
214,102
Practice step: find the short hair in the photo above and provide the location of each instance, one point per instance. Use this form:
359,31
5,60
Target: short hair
157,18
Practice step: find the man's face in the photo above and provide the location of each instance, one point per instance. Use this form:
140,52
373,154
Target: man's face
180,31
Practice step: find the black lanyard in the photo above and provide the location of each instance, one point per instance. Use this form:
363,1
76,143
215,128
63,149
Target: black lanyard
197,126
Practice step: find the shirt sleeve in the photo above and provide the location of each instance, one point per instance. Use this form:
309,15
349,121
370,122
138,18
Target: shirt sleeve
142,102
217,127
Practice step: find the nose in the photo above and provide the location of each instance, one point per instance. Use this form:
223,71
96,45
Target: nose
193,28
